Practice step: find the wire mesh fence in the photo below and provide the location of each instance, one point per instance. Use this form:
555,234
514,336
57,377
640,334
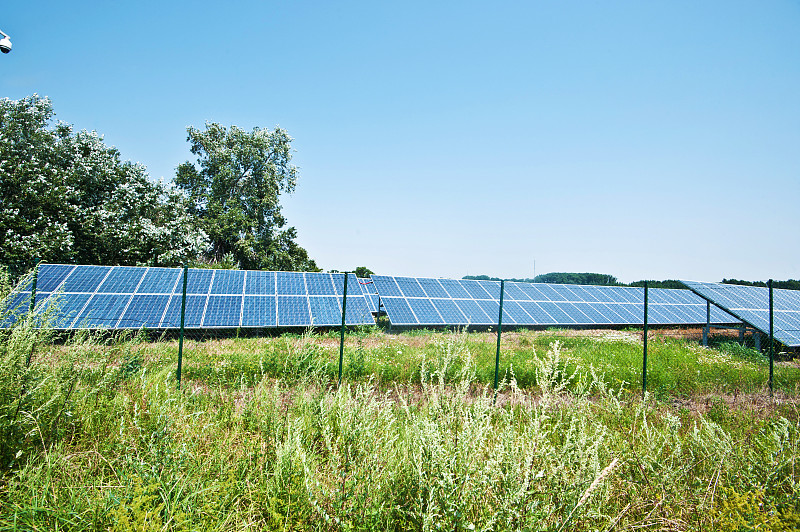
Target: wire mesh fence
183,323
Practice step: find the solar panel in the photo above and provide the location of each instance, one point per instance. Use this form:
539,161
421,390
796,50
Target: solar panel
751,305
428,301
369,293
123,297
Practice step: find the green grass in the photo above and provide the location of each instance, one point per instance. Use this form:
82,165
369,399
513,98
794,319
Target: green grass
96,434
676,367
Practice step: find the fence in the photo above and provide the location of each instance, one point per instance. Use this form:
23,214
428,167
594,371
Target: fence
726,333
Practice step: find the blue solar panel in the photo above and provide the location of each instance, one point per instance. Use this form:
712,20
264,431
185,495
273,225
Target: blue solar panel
477,303
102,311
291,283
433,288
293,311
161,281
326,310
560,293
144,310
517,313
751,304
353,286
121,280
322,284
410,287
260,283
13,307
537,313
629,295
452,286
476,291
628,312
474,313
550,293
132,297
603,296
492,308
228,282
386,286
259,311
370,294
223,311
556,313
70,307
85,279
358,312
400,311
449,311
425,312
514,292
197,282
582,294
574,312
50,276
531,291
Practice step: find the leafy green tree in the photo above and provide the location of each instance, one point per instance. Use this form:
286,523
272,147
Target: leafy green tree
669,283
363,271
233,191
577,278
67,197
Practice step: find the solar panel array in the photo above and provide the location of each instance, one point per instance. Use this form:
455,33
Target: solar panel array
751,305
428,301
122,297
370,294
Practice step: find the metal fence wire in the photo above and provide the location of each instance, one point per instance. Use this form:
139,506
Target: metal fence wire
754,308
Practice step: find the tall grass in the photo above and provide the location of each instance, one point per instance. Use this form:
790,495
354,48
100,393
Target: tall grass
113,444
96,435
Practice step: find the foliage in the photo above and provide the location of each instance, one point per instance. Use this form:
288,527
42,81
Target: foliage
733,511
67,197
577,278
558,278
592,279
363,272
669,283
234,189
791,284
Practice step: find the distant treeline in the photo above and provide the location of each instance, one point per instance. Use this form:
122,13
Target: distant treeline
791,284
604,279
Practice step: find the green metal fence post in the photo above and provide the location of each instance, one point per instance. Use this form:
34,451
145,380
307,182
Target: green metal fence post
499,332
771,338
32,306
183,317
341,332
644,357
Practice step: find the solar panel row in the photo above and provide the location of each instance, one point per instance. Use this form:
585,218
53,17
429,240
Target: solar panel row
751,305
124,297
428,301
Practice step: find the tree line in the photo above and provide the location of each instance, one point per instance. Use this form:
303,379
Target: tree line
603,279
67,197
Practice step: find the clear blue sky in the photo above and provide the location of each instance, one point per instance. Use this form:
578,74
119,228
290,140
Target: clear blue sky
644,139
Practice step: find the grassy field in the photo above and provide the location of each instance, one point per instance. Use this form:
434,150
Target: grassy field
96,434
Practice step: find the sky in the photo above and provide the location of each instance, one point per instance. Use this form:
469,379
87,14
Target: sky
646,140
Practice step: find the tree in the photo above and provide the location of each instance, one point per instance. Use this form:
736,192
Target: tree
67,197
577,278
364,272
233,191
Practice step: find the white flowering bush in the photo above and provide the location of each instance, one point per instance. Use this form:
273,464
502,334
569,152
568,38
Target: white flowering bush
67,197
